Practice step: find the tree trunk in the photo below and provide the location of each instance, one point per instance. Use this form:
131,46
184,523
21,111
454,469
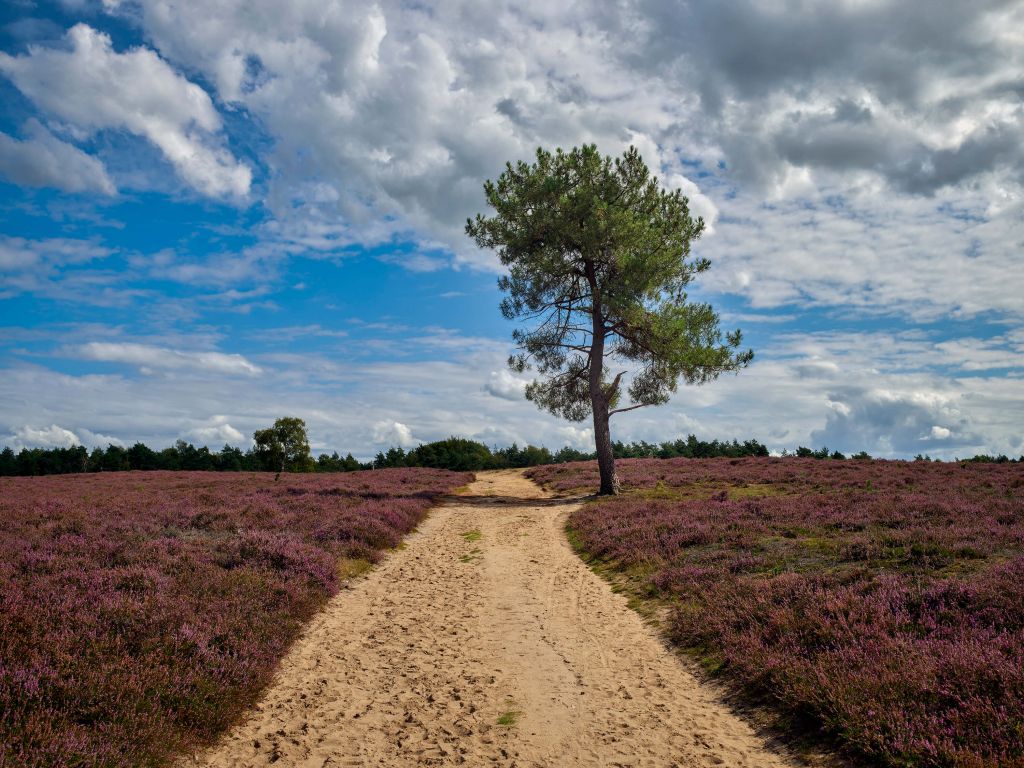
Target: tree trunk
598,398
605,454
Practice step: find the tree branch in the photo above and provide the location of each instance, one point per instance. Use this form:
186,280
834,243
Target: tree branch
630,408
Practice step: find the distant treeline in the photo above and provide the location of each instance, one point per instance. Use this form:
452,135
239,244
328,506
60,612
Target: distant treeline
460,454
824,453
454,453
181,456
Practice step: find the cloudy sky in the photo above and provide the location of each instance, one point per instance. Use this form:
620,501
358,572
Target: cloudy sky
216,213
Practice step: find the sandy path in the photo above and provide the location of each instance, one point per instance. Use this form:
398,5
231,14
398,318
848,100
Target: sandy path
417,663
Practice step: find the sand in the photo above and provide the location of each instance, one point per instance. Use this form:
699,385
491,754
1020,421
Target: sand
487,642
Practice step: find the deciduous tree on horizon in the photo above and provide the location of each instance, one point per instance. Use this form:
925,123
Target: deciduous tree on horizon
598,259
284,447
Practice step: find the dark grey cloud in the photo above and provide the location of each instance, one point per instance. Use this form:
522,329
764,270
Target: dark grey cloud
831,142
750,47
934,86
510,109
988,148
884,422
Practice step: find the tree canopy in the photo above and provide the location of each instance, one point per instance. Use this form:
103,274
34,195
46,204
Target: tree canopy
284,447
599,262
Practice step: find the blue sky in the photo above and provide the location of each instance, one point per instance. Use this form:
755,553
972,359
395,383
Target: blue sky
214,214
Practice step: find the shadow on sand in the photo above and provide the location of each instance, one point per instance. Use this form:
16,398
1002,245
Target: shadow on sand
509,501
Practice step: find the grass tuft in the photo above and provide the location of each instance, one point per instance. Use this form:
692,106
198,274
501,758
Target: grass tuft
509,718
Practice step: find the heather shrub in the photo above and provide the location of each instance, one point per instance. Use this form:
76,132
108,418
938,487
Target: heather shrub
142,613
881,601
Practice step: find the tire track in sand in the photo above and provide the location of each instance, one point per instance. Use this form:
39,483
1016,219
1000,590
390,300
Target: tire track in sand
417,663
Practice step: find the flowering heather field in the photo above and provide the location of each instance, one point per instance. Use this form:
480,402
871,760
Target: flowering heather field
141,613
880,601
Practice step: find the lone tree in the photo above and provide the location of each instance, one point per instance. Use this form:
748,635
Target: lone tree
284,447
598,260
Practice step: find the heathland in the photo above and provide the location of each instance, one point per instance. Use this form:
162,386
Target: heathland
141,613
878,601
875,603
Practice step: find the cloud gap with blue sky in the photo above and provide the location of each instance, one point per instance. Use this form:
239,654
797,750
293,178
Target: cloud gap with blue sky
218,213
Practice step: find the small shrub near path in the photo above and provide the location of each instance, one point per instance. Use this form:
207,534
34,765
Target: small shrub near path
141,613
883,601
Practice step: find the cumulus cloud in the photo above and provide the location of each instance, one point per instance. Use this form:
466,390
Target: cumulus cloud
393,433
834,87
148,357
887,422
842,155
56,436
93,87
577,437
387,117
877,254
700,204
504,385
843,86
889,395
884,392
216,432
52,436
97,439
43,160
857,160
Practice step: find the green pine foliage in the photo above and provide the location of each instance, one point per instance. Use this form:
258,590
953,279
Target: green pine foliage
599,265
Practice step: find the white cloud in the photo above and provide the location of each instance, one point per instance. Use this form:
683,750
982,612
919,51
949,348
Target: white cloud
885,401
40,437
17,253
385,120
293,332
700,204
93,87
43,160
503,384
393,433
877,254
388,118
971,354
417,262
581,438
148,357
890,151
888,422
14,256
59,268
216,432
855,163
96,439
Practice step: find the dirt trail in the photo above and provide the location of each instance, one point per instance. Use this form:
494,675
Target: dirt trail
497,649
